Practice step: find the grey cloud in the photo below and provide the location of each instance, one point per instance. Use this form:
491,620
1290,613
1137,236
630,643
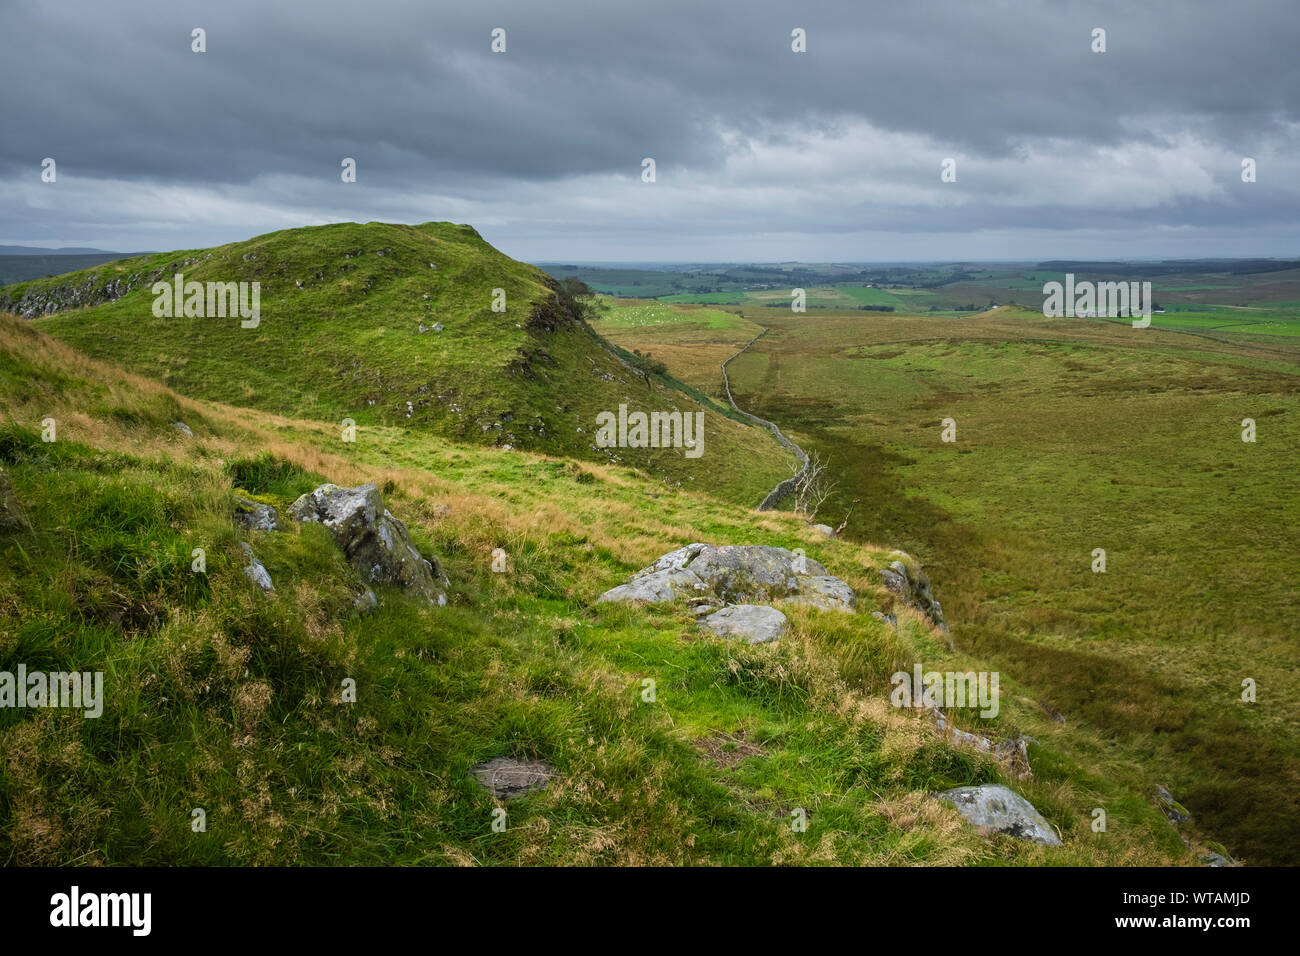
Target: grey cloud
434,119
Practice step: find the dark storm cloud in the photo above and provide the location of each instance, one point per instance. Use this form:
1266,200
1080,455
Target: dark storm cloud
255,128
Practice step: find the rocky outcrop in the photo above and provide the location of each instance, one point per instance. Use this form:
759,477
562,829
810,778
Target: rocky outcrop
912,587
508,778
1012,753
34,299
736,574
256,516
996,809
751,623
376,544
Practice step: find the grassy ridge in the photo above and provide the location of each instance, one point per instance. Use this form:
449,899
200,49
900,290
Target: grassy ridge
222,698
341,311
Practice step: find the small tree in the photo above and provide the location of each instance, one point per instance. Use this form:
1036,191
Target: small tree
812,487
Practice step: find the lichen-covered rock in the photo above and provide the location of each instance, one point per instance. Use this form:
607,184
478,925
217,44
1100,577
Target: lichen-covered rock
736,574
825,530
912,587
256,516
376,544
751,623
508,778
997,809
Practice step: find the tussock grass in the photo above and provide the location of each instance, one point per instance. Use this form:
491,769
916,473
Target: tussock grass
223,698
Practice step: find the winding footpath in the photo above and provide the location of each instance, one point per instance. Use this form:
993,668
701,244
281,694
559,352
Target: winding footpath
784,488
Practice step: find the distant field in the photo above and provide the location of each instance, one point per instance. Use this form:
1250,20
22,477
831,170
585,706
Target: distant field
1075,435
1260,320
706,298
693,342
637,314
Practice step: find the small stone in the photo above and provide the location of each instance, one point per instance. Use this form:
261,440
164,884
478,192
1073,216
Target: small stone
508,778
183,429
256,571
1174,810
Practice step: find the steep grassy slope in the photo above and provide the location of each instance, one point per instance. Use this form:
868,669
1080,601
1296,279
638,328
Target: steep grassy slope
222,698
342,308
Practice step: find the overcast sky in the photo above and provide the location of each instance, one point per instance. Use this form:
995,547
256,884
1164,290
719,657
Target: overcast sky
761,153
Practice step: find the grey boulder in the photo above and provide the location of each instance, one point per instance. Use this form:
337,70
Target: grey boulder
735,574
751,623
376,544
997,809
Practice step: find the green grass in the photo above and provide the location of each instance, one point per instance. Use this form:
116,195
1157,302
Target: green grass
1075,435
1270,319
222,698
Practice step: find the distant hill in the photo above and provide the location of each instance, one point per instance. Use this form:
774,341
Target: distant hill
394,324
61,251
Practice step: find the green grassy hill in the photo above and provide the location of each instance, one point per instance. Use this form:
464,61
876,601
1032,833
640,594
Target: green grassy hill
222,698
342,307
